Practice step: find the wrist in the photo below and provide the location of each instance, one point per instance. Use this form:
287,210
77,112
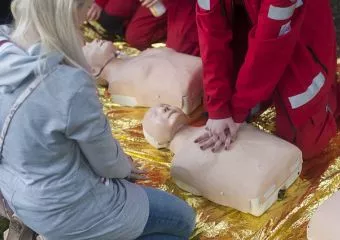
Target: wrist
240,115
221,114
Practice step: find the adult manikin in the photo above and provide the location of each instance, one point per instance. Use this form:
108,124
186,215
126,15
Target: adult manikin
155,76
324,224
248,177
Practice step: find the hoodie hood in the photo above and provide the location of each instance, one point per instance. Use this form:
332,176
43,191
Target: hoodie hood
16,64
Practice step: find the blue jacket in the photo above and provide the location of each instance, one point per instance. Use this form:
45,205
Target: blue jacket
58,146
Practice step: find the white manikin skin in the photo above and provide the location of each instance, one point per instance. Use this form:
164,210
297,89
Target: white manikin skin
155,76
248,177
324,224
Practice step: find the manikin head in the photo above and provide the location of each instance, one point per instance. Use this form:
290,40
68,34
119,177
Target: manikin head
97,53
161,123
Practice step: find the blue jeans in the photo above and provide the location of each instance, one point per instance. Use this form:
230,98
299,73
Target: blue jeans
170,218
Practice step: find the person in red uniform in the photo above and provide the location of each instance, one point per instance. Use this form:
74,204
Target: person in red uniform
141,29
131,19
278,50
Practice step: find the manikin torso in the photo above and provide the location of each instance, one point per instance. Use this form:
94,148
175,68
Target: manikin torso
156,76
252,172
324,224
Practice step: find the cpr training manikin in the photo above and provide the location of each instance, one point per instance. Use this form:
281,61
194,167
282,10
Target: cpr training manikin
155,76
324,225
248,177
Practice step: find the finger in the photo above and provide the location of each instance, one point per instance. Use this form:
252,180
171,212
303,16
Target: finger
227,133
144,2
138,171
96,16
89,11
233,138
92,16
207,139
99,12
137,177
233,131
203,137
222,136
227,143
218,146
138,165
208,144
151,3
89,15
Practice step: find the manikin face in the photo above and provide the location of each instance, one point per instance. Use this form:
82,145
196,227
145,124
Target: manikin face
162,122
98,52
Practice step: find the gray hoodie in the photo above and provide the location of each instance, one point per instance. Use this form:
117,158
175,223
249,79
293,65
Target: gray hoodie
58,147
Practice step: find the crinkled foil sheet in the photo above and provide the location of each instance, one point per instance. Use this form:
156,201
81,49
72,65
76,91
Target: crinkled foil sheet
287,219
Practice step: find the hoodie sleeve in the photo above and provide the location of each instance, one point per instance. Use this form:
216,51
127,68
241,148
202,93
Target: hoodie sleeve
89,127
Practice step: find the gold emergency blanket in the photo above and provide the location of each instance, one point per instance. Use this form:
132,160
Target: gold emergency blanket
286,219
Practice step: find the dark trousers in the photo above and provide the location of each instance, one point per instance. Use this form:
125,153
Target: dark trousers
5,12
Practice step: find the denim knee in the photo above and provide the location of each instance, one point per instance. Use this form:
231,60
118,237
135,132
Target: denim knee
189,221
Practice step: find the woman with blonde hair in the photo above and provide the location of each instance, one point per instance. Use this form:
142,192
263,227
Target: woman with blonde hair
56,145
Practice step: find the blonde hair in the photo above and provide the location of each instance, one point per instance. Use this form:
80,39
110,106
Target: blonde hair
54,22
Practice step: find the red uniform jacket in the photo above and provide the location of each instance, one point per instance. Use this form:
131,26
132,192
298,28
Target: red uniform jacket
291,53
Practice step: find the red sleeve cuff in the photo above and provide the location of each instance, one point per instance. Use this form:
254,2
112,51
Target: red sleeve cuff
220,114
217,108
240,115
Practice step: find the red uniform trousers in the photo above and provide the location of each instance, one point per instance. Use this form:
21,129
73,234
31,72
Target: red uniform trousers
182,29
142,29
313,136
